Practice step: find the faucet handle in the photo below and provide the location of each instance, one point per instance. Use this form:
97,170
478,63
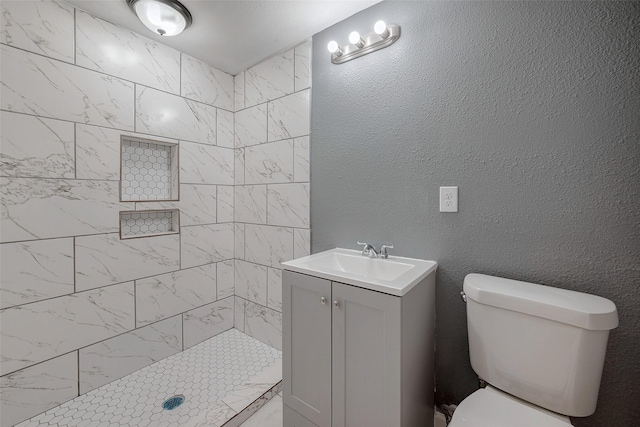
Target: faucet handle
383,251
367,248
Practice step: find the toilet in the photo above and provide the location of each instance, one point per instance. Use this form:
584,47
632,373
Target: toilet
540,350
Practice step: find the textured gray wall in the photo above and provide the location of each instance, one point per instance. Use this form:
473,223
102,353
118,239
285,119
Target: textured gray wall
532,109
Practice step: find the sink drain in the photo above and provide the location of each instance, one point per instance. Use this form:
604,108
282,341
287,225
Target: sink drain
173,402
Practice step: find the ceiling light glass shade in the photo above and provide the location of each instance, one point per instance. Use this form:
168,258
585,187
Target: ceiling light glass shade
164,17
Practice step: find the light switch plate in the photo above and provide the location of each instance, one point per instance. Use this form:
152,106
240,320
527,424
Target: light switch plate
448,199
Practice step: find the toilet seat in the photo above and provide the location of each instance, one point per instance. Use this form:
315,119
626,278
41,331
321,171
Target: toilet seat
490,407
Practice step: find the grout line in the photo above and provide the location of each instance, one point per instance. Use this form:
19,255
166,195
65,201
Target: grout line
75,280
78,372
75,37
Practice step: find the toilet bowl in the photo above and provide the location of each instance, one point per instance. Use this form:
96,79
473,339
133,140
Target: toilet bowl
540,349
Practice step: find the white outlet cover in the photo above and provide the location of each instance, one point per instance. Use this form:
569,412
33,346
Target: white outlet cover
448,199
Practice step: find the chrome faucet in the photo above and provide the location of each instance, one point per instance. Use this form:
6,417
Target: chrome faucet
369,250
383,251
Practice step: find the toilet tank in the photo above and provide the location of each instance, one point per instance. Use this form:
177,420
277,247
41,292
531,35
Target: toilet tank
541,344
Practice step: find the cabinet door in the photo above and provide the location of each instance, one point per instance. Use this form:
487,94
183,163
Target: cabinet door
366,357
306,339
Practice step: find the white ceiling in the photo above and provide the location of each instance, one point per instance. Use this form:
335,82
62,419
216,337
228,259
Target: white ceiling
233,35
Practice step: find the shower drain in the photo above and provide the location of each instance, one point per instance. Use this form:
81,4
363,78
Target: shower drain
173,402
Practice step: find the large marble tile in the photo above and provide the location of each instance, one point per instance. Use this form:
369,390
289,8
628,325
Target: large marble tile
225,284
303,66
32,333
251,390
171,116
38,388
251,281
274,289
202,82
116,51
225,203
44,27
203,244
251,126
35,208
216,416
289,116
263,324
270,415
226,129
203,164
239,166
251,204
105,259
268,245
288,205
36,147
116,357
169,294
98,151
301,159
301,242
208,321
239,241
238,89
269,163
197,204
238,319
40,86
270,79
36,270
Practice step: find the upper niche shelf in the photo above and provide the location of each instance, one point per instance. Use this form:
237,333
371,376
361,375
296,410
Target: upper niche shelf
148,171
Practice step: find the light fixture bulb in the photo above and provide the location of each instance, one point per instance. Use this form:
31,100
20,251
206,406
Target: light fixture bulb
333,46
164,17
381,29
354,38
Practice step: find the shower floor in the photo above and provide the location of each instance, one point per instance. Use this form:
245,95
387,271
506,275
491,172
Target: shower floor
228,376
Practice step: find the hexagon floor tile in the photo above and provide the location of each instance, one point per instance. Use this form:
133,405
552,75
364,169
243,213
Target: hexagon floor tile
203,374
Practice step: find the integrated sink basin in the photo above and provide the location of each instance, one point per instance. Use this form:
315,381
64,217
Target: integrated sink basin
394,275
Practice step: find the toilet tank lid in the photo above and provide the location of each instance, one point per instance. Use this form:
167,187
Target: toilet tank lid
561,305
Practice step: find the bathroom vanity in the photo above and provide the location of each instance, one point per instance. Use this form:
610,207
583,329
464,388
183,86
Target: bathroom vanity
358,340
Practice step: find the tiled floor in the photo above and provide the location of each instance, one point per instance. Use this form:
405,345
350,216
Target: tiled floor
204,374
270,415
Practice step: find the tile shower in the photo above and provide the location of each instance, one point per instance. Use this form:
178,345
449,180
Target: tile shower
81,307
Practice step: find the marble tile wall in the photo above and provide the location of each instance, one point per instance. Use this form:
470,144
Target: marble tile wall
271,186
78,306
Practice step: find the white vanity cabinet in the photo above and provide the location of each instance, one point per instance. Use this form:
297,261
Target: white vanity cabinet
355,357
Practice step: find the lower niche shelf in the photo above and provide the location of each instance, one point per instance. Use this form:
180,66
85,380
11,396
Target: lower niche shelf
134,224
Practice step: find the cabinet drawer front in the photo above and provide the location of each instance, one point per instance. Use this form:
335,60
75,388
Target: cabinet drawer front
306,337
366,357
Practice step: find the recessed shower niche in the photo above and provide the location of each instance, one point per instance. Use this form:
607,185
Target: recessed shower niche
149,223
148,170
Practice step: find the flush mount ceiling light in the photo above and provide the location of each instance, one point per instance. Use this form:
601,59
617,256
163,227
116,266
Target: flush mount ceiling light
164,17
383,35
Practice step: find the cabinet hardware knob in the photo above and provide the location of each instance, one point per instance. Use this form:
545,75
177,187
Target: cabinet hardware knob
336,304
323,300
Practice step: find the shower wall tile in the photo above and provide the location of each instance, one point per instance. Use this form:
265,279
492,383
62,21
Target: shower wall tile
113,50
225,282
301,159
267,245
269,163
225,203
203,244
38,388
208,321
251,126
274,289
166,295
202,82
116,357
43,27
270,79
301,243
238,319
251,281
303,66
104,259
289,116
47,208
160,113
238,86
226,127
239,241
197,204
251,204
36,270
36,147
239,166
263,324
203,164
40,86
288,205
37,332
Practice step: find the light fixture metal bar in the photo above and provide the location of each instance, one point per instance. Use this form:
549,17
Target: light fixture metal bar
372,42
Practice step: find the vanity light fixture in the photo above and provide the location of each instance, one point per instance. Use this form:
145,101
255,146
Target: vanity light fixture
164,17
383,35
